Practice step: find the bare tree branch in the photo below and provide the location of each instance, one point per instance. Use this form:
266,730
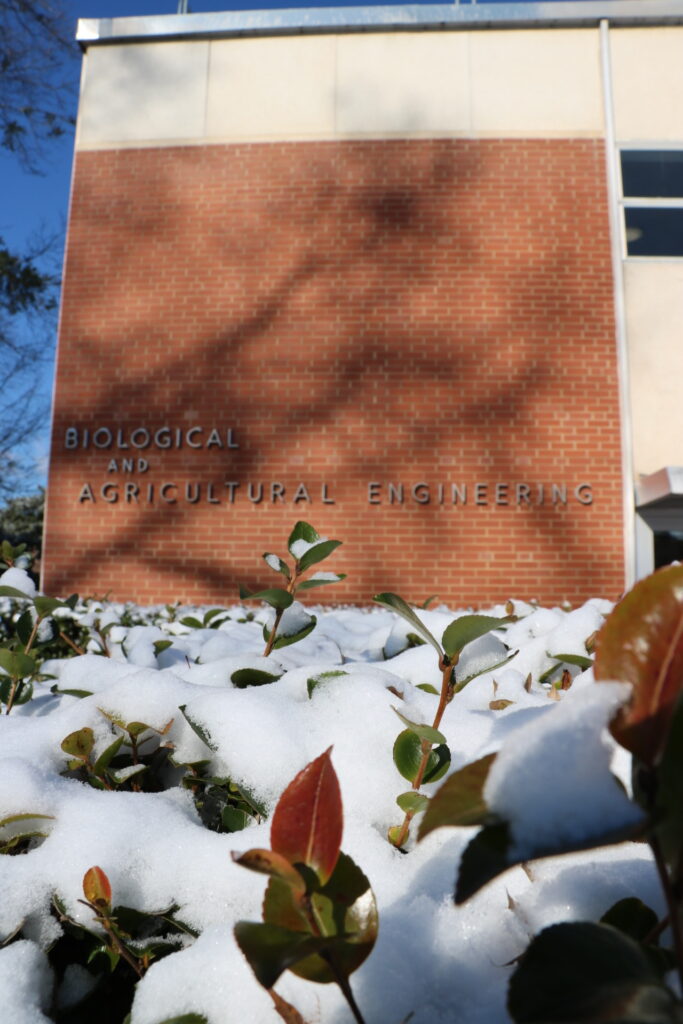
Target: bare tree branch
38,77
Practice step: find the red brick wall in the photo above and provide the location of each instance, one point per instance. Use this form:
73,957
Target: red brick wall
434,311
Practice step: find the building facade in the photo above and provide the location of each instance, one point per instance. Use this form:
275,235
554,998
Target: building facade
410,274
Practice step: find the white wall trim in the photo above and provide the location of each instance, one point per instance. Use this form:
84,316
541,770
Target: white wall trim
613,190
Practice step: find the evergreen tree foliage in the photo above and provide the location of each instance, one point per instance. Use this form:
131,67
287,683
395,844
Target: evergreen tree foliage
21,521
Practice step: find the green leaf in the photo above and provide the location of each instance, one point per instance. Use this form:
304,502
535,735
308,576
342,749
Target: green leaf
632,917
642,643
211,615
346,906
318,553
145,923
12,818
292,638
467,628
114,719
243,677
345,911
234,819
585,972
302,531
161,645
408,755
24,693
191,622
306,827
24,626
462,683
579,660
460,800
257,807
199,729
488,854
111,956
485,857
13,592
270,950
573,659
122,775
423,732
107,755
186,1018
46,605
309,584
428,688
414,640
71,693
79,744
7,846
398,605
277,564
274,596
314,681
412,802
136,729
15,664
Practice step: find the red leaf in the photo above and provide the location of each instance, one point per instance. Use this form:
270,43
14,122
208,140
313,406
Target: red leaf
289,1013
307,823
266,862
97,888
642,643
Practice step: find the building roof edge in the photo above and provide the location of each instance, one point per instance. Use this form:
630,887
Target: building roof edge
408,17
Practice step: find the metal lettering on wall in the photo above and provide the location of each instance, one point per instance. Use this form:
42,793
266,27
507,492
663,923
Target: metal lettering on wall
473,494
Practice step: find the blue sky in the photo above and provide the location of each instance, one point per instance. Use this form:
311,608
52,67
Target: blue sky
33,204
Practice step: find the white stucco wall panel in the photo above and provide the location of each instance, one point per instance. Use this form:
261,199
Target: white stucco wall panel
466,83
647,69
143,93
403,83
536,82
262,89
654,319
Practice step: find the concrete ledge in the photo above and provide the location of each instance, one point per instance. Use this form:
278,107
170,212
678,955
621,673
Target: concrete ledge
411,17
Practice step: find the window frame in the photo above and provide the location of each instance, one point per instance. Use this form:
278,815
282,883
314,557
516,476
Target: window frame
645,202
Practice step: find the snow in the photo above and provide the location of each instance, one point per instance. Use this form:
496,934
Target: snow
552,781
301,546
25,983
19,579
548,809
293,620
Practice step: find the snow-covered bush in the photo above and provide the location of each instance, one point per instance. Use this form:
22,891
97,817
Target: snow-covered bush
156,743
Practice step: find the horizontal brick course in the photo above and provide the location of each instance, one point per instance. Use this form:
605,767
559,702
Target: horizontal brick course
434,311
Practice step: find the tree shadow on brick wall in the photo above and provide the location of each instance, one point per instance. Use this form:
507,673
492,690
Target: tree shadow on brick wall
373,306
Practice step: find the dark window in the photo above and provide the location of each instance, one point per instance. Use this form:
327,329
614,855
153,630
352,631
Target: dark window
653,173
654,231
649,179
668,548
